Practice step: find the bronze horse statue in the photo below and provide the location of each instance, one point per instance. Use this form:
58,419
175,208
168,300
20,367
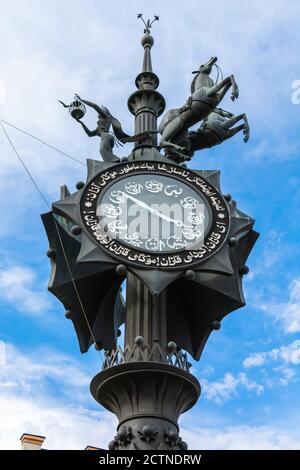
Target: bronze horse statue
215,129
205,96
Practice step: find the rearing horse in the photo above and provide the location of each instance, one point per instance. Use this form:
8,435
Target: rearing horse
217,127
206,95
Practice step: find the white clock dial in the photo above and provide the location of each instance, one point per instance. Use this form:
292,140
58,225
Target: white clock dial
154,213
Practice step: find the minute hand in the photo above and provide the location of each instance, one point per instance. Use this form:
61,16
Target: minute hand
179,223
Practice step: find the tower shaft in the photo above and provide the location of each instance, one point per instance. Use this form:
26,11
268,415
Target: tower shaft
145,317
146,388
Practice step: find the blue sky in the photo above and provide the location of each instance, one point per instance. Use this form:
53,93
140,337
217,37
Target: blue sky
249,370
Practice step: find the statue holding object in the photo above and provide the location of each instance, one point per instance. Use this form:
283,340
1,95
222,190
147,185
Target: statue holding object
105,121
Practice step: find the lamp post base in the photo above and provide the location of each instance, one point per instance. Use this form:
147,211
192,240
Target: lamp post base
147,398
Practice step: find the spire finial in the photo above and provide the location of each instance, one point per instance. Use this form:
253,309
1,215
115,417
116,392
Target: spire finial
148,24
147,42
146,104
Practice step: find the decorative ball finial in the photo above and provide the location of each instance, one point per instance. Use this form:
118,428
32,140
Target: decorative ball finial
147,40
172,346
216,325
121,270
139,340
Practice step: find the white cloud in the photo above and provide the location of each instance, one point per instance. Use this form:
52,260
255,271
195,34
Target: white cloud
2,92
17,287
65,427
286,314
207,371
242,438
272,252
47,393
254,360
289,354
36,369
2,353
287,376
263,151
229,387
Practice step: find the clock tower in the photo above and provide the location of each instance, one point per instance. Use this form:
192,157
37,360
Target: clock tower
177,241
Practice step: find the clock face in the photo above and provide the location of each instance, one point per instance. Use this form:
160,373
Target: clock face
154,214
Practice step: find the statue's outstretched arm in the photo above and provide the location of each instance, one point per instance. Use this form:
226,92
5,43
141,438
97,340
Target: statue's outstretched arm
87,130
95,106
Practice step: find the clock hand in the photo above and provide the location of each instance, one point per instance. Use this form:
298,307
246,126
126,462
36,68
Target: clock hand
179,223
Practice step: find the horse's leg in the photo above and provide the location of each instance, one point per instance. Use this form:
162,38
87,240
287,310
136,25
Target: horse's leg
244,116
235,130
233,121
172,149
239,128
182,157
224,86
166,144
235,89
171,130
246,128
214,89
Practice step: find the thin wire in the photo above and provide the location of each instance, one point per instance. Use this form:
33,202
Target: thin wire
76,290
58,233
25,167
42,142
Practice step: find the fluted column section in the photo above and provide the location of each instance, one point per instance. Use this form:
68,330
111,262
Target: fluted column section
145,316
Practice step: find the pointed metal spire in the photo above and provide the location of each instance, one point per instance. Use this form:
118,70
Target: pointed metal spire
146,104
147,42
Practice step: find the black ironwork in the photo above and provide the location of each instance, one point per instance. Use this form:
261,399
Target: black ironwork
142,352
